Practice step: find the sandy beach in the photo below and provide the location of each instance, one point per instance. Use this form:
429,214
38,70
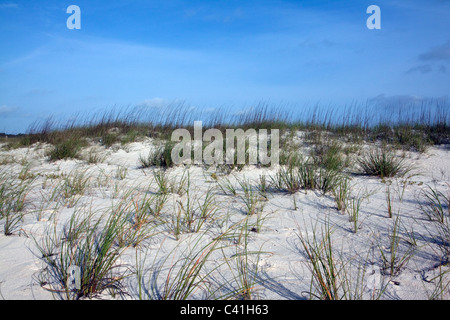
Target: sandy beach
204,226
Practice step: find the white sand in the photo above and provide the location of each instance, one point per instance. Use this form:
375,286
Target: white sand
282,266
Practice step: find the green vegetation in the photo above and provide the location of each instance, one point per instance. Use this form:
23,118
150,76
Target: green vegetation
324,130
383,163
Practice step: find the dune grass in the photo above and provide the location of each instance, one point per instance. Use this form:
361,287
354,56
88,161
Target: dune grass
341,193
191,211
324,126
395,259
197,272
251,198
158,157
90,246
435,205
185,278
14,192
332,275
383,163
305,174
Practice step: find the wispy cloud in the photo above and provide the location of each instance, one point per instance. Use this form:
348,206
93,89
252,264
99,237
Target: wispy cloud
437,53
7,110
39,92
406,102
422,69
9,5
157,104
154,103
396,100
214,15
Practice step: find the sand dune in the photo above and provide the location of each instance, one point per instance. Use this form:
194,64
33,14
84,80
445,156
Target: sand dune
258,256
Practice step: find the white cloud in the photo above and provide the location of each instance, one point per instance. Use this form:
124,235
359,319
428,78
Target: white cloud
6,110
154,103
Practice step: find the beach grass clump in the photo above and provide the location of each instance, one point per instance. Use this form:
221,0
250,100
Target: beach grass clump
300,173
179,276
263,187
341,193
156,204
410,138
436,206
353,208
192,212
140,218
243,265
383,163
325,282
333,275
329,155
251,198
287,180
394,258
73,185
13,198
227,187
327,180
161,156
82,260
327,271
109,139
66,149
162,181
131,136
305,174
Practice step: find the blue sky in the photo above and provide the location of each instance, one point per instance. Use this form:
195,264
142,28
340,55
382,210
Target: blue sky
211,54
